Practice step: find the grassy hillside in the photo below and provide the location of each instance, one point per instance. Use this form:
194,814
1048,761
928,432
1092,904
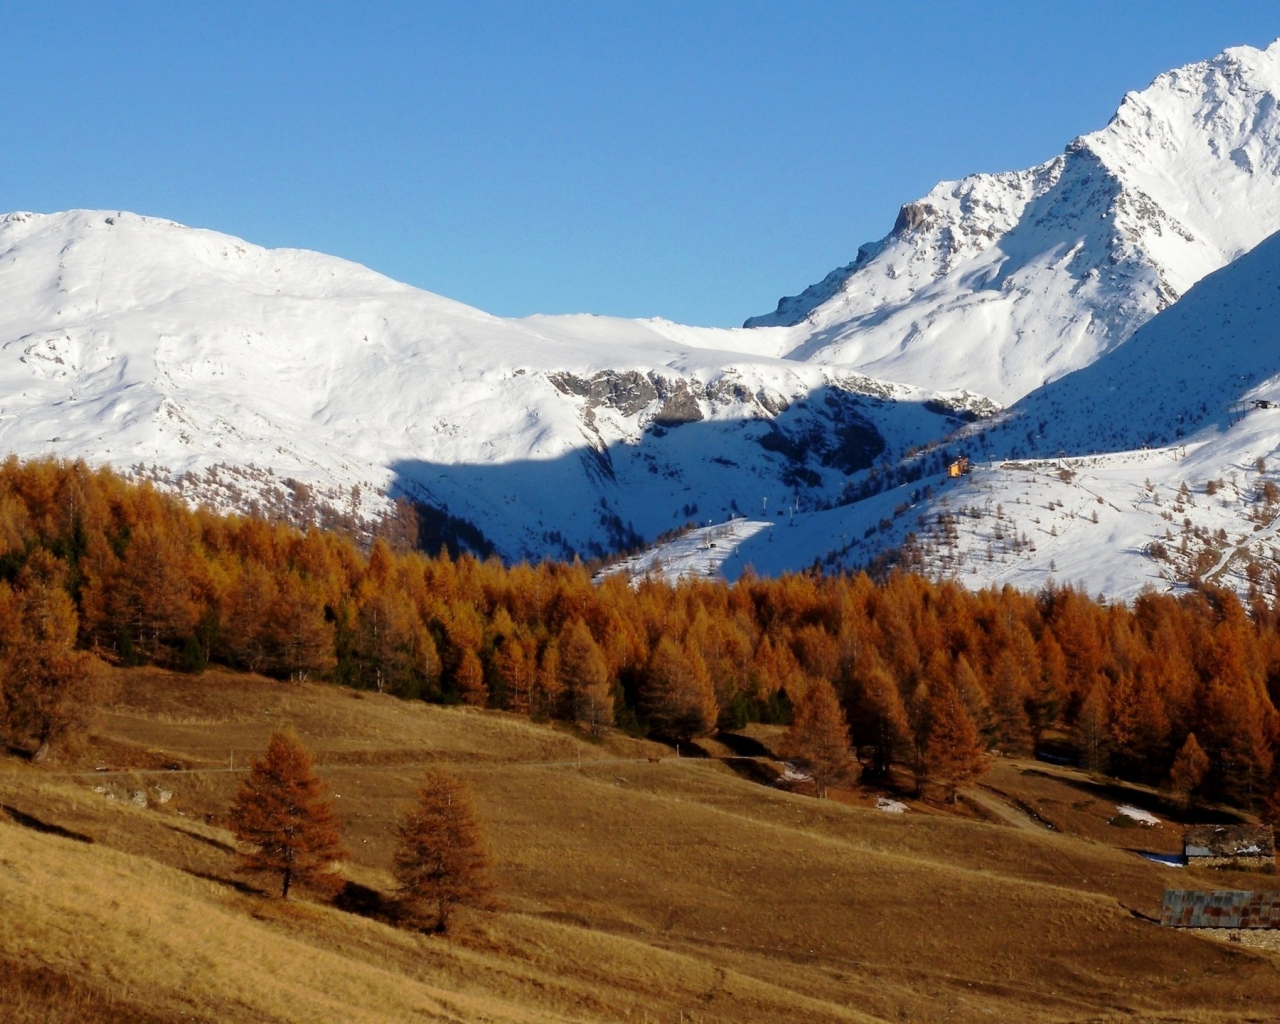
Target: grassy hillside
635,886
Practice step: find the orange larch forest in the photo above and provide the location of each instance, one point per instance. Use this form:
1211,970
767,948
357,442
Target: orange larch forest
1114,687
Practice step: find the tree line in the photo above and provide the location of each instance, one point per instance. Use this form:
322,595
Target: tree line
92,566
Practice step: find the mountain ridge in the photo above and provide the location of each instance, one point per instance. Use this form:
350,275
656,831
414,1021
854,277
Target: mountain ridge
133,340
1002,282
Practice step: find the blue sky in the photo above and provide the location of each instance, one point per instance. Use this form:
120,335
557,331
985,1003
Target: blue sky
689,160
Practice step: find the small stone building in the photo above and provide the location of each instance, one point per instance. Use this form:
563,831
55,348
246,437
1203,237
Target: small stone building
1230,846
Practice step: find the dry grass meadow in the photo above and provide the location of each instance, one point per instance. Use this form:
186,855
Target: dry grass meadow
635,886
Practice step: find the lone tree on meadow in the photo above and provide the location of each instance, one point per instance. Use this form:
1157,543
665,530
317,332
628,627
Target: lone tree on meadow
283,820
441,861
819,737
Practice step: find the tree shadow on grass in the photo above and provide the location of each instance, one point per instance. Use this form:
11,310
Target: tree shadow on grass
243,888
689,748
750,758
1122,793
354,898
763,772
744,746
48,828
217,844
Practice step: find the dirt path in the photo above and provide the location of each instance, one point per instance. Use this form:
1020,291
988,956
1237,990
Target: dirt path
1007,813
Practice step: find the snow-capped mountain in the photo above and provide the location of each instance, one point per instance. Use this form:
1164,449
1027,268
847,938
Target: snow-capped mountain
1001,282
1157,465
130,340
227,370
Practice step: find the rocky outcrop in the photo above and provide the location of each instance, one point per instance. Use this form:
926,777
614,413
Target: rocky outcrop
628,391
679,403
667,402
829,429
913,216
965,406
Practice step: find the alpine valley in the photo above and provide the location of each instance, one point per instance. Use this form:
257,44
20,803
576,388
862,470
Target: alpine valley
1096,333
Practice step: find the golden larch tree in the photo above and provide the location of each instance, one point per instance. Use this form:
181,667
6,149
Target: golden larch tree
516,664
953,753
469,679
819,737
881,717
283,820
677,696
47,688
1188,771
584,677
305,638
547,691
441,861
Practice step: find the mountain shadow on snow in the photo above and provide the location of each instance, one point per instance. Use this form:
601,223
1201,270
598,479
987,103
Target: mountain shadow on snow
598,500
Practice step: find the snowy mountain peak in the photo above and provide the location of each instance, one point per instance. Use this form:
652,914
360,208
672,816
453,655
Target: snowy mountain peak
1001,282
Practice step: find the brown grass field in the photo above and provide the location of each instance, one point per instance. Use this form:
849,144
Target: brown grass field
635,886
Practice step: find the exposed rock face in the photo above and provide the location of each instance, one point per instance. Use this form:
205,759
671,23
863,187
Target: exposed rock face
679,403
858,443
964,406
913,216
663,401
834,433
654,398
629,391
815,438
772,402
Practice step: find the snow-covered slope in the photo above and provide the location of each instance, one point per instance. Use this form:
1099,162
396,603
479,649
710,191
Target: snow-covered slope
1200,364
1157,465
136,341
1001,282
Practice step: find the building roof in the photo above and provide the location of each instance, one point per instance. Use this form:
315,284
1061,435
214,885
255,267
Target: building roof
1229,841
1221,908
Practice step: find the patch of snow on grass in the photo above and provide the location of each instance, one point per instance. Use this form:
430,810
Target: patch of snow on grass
791,773
883,803
1138,814
1169,860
